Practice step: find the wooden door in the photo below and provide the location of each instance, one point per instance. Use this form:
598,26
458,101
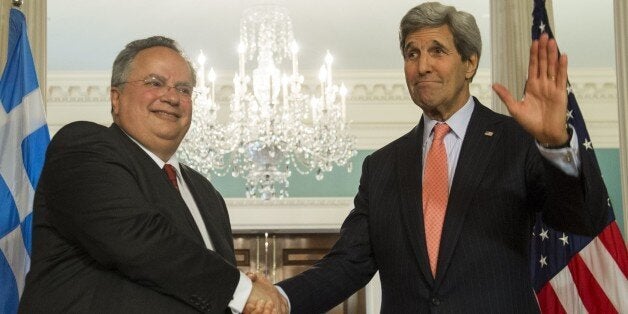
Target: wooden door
280,256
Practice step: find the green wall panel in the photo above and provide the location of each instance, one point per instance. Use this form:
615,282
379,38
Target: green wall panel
608,158
340,183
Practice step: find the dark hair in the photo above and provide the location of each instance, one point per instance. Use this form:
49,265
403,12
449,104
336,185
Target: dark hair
122,64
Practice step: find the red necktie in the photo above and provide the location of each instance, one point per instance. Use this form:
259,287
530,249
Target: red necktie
172,175
435,193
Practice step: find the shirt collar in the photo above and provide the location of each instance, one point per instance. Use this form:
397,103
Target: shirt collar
172,161
458,122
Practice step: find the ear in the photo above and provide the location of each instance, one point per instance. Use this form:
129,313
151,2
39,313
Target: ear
472,66
114,95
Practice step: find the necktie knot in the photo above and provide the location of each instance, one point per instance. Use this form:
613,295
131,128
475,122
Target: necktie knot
440,130
172,175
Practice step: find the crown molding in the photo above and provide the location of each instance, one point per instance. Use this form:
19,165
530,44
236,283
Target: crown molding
378,103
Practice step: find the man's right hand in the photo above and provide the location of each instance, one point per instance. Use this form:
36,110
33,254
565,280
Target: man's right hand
264,297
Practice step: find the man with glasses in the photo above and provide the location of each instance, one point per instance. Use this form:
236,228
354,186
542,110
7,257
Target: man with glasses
120,226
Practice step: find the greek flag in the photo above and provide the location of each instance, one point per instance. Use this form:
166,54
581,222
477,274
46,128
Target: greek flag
23,140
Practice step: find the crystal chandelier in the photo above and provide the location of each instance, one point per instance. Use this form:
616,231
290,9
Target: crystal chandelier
273,126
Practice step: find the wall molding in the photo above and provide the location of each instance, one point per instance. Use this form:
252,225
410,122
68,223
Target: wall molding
316,214
378,103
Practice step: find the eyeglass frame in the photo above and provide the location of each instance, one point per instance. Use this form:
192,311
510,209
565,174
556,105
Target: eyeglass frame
165,88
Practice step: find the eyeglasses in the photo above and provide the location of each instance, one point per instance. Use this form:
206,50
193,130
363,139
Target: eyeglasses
159,85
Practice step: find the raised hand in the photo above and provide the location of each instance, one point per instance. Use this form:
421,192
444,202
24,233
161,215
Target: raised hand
542,110
264,297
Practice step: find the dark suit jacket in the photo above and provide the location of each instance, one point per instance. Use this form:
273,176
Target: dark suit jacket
111,235
500,182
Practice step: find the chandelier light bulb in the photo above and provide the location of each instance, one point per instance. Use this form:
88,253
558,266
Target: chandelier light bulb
294,48
328,59
201,58
343,90
322,74
211,75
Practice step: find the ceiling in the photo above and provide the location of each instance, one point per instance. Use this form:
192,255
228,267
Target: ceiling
361,34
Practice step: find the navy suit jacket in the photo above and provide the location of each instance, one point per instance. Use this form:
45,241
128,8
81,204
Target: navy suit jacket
501,182
111,234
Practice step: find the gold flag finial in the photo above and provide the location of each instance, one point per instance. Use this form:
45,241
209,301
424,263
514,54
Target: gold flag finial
17,3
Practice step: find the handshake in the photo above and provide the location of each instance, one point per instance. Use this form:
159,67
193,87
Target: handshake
264,297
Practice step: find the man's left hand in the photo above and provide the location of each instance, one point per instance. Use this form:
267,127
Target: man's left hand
542,111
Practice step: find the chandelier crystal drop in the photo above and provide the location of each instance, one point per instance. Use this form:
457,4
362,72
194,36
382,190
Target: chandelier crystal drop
273,126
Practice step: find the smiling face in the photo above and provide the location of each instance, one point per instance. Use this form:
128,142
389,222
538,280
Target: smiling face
158,118
437,77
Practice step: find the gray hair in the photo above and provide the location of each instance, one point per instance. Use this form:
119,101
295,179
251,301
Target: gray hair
462,25
122,64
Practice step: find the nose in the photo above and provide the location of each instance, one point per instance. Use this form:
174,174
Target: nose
424,64
170,95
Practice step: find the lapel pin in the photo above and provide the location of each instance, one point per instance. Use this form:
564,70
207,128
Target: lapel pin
488,133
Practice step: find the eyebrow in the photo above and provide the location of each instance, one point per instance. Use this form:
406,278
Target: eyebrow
434,42
162,78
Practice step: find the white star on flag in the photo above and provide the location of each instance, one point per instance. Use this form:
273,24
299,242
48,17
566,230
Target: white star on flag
544,235
543,261
569,114
564,239
542,27
587,144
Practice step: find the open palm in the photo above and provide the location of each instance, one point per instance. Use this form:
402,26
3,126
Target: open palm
542,110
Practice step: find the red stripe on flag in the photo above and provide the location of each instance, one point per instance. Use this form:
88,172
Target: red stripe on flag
591,294
548,301
614,244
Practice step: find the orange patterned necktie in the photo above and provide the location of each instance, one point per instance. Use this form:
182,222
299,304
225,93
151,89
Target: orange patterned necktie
435,193
172,175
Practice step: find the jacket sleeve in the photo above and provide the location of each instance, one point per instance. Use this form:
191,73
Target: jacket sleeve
576,204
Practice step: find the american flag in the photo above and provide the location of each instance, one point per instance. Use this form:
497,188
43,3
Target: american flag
572,273
23,140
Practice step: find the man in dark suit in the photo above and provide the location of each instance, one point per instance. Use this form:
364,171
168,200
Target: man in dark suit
454,238
116,233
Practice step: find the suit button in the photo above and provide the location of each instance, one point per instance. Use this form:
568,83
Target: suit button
435,302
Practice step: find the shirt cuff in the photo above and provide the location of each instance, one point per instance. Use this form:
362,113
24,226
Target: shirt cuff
566,159
283,293
241,294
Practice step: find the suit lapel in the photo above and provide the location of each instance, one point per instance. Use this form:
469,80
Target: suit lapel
209,208
409,165
158,189
479,143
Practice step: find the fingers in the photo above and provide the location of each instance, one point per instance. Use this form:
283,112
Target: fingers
506,97
251,275
561,78
533,66
259,307
546,63
552,60
543,58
